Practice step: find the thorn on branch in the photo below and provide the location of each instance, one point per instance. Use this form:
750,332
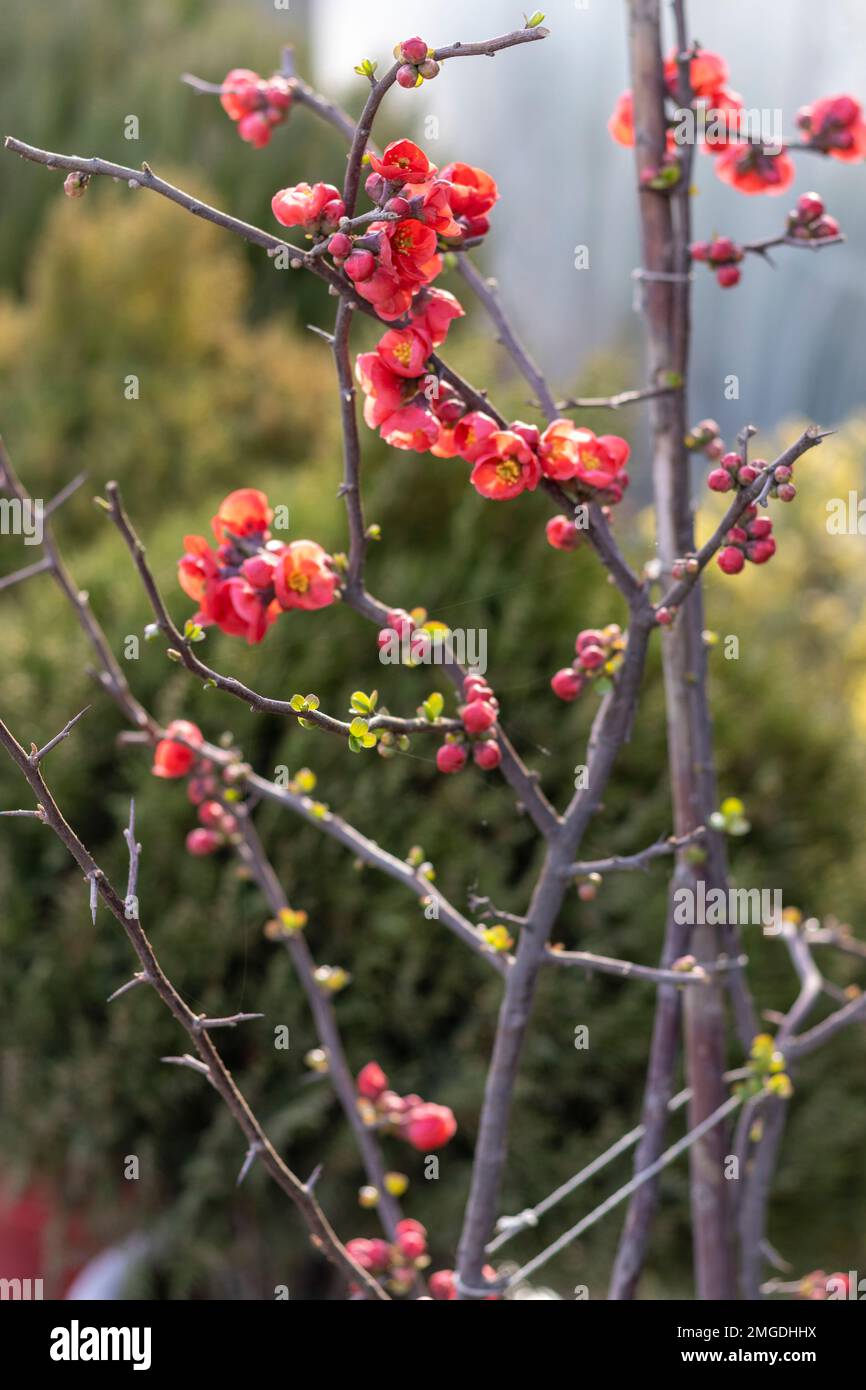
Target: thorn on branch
251,1155
203,1022
38,754
138,979
94,878
310,1184
187,1061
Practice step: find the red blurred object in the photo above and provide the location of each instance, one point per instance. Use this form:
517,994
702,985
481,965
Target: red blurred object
40,1241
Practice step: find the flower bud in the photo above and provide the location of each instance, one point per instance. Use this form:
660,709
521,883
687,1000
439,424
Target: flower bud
451,757
809,206
429,69
567,684
731,560
720,480
360,264
728,276
203,842
412,50
75,184
478,717
340,246
407,76
787,492
487,755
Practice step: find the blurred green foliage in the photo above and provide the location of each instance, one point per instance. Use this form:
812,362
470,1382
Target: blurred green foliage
234,391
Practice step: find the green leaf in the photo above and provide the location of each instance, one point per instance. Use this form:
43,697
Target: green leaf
354,744
603,686
360,702
297,702
358,728
374,699
311,702
366,68
368,741
193,632
434,705
534,20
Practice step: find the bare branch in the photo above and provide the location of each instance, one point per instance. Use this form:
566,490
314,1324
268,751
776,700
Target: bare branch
634,861
39,753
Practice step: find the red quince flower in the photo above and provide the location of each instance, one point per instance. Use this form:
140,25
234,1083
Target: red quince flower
382,388
236,609
197,568
707,72
383,290
303,577
430,1126
172,759
621,121
408,248
602,464
445,447
242,92
255,129
753,169
401,162
412,427
505,467
559,450
471,434
305,206
371,1081
405,351
433,311
243,513
473,193
431,204
721,119
835,125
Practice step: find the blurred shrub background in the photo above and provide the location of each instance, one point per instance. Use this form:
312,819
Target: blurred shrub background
235,391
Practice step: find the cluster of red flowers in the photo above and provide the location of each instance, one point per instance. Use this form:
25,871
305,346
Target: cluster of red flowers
250,579
443,1284
752,540
834,125
398,1264
421,1123
723,256
176,756
255,103
733,471
809,221
479,714
425,210
599,654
